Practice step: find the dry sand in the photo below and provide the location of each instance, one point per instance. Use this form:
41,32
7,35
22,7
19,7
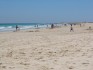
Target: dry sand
47,49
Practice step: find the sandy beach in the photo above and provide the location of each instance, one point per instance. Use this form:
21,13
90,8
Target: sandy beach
48,49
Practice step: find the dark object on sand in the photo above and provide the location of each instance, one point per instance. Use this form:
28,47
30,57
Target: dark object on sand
80,25
89,27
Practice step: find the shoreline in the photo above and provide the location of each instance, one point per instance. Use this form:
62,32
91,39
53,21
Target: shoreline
12,27
56,26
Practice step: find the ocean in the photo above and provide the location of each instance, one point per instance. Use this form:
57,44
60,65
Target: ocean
23,26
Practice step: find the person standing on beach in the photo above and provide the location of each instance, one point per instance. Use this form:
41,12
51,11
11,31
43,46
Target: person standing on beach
65,24
37,26
17,27
71,25
52,26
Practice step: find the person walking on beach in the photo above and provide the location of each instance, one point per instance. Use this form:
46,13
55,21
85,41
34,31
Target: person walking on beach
71,28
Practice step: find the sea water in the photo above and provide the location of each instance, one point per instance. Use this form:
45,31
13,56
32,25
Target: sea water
23,26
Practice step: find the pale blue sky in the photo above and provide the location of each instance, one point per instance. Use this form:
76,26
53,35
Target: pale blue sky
45,11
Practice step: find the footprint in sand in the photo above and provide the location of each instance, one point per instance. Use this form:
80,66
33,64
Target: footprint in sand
4,67
11,67
0,63
24,63
44,68
9,54
85,63
71,67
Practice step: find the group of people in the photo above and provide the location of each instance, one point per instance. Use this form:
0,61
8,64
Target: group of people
71,28
52,26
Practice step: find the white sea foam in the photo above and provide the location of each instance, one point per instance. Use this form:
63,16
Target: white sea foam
9,27
6,28
2,27
26,27
23,27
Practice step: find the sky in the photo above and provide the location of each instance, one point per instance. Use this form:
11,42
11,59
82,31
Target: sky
46,11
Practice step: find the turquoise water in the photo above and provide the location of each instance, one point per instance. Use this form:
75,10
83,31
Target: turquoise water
22,26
